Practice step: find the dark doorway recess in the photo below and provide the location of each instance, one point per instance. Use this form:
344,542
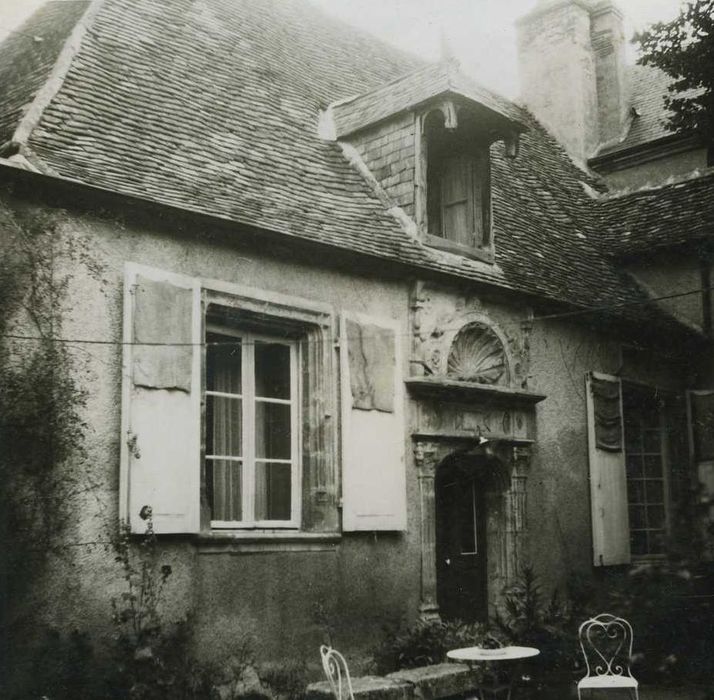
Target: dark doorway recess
461,522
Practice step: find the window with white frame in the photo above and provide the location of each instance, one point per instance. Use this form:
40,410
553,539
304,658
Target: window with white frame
251,429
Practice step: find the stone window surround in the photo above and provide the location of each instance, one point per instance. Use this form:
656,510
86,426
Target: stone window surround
316,326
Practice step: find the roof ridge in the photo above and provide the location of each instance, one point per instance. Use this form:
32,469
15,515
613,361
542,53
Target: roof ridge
346,100
54,82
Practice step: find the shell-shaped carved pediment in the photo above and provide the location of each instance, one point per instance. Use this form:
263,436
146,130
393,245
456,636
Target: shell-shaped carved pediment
477,355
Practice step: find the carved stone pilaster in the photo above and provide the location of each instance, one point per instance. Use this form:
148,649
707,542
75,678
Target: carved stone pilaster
514,510
418,302
426,460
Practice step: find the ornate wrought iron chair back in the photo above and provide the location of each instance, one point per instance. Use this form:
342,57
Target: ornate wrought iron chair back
606,643
338,675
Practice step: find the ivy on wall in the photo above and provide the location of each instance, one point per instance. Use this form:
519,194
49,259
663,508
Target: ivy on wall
41,425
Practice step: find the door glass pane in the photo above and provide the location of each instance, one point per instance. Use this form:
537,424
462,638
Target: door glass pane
467,518
272,370
223,426
224,479
273,490
223,364
272,430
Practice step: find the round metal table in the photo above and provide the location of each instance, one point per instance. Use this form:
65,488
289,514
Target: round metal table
496,687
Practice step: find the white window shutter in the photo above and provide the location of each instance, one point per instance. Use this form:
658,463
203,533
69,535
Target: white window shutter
373,468
161,400
608,484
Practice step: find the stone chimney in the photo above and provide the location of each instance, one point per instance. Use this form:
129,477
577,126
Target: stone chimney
573,73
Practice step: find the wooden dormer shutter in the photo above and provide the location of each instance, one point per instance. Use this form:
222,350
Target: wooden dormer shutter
608,479
161,400
457,199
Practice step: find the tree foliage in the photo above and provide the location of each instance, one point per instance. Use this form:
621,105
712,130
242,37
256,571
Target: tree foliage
684,49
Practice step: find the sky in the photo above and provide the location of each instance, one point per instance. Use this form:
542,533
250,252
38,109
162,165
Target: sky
480,33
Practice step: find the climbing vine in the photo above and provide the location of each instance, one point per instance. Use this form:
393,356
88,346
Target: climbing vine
41,422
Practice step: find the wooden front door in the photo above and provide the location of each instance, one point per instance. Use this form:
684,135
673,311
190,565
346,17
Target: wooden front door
460,544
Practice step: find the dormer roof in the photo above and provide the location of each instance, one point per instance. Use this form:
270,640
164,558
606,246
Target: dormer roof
418,88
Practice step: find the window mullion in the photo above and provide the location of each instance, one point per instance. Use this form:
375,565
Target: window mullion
249,429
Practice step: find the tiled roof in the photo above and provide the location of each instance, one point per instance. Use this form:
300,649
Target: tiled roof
212,106
27,57
662,217
648,88
411,90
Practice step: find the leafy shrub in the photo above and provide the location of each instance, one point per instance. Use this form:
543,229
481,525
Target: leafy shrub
287,681
428,641
529,617
673,622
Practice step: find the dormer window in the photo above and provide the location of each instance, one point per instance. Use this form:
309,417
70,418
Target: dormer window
457,184
455,171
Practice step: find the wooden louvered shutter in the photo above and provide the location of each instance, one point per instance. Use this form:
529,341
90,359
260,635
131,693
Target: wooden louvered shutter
608,479
373,469
161,400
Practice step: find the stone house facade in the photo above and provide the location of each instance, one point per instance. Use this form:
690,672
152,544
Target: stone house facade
364,346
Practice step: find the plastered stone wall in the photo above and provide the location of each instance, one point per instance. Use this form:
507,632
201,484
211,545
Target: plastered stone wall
657,172
557,73
670,274
287,601
388,151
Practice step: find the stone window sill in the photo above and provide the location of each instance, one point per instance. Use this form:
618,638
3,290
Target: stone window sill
252,541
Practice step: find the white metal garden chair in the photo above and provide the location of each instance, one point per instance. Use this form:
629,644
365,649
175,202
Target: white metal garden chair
338,675
606,643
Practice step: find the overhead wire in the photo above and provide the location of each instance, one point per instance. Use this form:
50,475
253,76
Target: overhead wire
533,319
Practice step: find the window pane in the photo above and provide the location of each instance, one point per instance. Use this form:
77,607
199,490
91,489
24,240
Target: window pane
652,441
225,486
655,517
656,539
223,426
637,517
635,491
655,492
272,370
272,430
653,466
638,542
223,364
633,437
634,466
273,491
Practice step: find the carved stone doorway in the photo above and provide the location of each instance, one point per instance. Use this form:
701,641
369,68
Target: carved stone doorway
496,476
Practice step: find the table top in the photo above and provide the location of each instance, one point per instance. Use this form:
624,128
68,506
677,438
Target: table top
500,654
